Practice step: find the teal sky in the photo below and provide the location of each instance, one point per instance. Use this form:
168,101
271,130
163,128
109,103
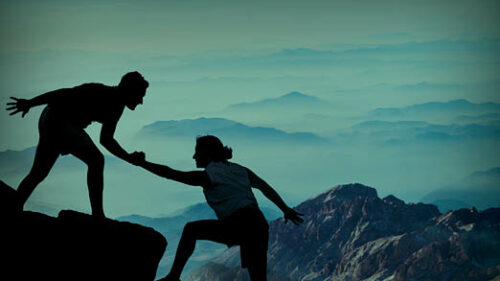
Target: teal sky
180,27
201,57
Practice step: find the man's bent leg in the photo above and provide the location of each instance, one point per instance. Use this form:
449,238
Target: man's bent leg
95,163
45,157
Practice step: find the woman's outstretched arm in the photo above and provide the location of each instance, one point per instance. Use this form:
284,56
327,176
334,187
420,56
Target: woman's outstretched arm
271,194
195,178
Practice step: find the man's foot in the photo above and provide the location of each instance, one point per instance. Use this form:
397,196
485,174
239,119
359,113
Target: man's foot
98,214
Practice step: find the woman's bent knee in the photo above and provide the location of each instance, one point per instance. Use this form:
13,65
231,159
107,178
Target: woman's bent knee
189,228
195,228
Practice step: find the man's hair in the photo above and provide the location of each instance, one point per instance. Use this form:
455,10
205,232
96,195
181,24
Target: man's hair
133,81
213,146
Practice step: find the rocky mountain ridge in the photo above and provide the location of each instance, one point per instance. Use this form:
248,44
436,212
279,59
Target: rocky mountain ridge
352,234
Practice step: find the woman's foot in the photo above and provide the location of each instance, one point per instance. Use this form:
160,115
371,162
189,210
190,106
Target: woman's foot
169,278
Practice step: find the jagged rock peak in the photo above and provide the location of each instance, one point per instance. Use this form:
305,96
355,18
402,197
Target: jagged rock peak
461,217
393,200
348,192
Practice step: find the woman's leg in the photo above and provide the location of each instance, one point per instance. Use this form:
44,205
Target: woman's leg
255,243
45,157
257,267
198,230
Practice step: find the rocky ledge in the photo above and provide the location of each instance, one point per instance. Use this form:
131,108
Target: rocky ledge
74,246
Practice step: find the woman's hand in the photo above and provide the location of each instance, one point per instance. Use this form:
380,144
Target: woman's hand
19,105
293,216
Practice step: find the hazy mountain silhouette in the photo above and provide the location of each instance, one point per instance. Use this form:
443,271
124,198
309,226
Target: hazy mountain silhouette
487,118
454,105
491,175
377,125
16,162
400,132
286,109
438,110
226,129
432,48
446,205
480,189
352,234
292,99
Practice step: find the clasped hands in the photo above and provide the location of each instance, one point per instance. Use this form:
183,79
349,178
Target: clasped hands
137,158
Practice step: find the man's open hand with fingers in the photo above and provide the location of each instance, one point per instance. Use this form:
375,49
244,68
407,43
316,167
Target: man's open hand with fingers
18,105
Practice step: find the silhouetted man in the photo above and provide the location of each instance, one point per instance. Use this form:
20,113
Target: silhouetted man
61,127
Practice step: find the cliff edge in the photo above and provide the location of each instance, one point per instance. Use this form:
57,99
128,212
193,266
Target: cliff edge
74,246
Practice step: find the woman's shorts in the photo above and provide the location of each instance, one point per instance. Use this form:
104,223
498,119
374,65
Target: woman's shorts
248,228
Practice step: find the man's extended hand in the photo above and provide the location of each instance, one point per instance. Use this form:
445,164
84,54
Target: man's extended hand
18,105
293,216
137,157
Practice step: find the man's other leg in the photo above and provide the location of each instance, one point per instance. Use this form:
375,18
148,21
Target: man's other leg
94,159
45,157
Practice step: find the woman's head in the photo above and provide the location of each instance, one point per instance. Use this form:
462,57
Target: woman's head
210,148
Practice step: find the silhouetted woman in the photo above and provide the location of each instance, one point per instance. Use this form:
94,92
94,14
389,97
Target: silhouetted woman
227,189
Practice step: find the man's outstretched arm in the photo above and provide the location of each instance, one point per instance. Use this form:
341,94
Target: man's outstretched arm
24,105
108,141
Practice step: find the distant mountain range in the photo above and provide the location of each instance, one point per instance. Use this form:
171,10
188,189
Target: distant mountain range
285,109
480,189
16,162
350,233
491,175
400,132
487,118
430,47
445,205
434,110
292,99
226,129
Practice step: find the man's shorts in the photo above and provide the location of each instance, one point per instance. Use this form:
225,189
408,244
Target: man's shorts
59,133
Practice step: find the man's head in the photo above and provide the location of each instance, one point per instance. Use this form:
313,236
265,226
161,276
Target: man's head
133,86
